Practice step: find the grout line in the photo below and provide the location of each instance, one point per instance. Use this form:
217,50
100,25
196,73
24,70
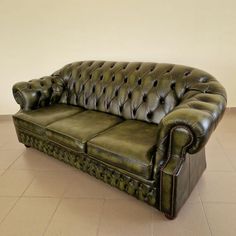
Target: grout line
220,202
18,199
152,223
54,212
205,214
51,218
100,217
12,163
10,210
220,171
226,155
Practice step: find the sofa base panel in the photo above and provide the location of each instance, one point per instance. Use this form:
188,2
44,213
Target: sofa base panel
132,186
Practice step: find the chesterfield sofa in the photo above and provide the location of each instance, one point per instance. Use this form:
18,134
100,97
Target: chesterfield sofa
140,127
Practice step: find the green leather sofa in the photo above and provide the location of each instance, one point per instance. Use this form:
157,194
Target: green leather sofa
140,127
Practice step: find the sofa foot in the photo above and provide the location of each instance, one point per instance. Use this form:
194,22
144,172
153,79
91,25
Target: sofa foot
169,217
27,146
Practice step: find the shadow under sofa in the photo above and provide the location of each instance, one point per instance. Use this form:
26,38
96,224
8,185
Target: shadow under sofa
140,127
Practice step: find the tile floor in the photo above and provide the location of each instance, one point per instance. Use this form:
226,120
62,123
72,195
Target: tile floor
42,196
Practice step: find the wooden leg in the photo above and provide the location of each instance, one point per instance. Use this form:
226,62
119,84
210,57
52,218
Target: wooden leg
169,217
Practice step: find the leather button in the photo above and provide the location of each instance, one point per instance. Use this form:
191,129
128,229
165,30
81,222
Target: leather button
144,98
139,81
129,95
149,115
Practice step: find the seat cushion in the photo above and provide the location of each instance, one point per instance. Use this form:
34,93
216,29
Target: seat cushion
37,120
75,131
129,146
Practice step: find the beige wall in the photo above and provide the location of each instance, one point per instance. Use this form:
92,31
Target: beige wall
38,37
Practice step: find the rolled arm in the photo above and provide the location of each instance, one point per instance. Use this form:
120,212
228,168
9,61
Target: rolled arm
199,113
38,92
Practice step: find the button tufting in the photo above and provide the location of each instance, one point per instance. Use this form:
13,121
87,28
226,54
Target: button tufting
172,86
129,95
101,77
121,108
169,70
138,67
79,75
126,79
116,93
139,81
144,98
162,100
134,112
93,89
155,83
187,73
149,115
42,84
104,90
90,76
113,78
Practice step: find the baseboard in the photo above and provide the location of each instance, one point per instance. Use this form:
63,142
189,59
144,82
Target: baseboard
5,117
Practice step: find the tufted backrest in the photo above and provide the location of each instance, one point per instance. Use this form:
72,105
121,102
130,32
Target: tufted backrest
142,91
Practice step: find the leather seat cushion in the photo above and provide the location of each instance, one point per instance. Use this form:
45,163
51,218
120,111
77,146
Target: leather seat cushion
129,146
37,120
76,130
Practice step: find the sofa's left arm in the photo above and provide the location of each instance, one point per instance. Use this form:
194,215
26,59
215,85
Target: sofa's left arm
37,93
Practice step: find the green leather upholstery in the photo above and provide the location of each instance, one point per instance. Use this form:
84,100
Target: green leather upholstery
37,120
38,92
141,127
129,145
76,130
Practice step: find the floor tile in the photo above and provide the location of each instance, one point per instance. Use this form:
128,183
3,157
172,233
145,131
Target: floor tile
231,155
6,203
49,184
194,196
227,123
7,157
221,218
76,217
216,157
126,217
32,159
86,186
227,140
14,183
30,216
218,187
191,221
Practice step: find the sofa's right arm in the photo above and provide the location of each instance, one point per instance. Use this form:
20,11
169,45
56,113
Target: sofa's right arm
38,92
